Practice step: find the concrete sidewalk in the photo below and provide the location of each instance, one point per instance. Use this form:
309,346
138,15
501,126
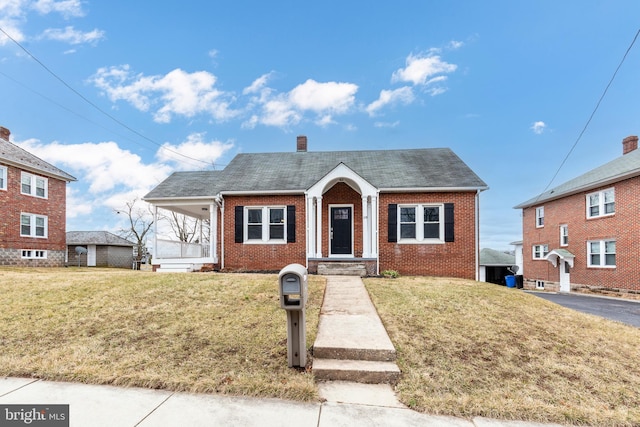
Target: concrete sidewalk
96,406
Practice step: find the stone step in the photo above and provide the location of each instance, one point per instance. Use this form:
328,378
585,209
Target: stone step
361,371
342,269
355,353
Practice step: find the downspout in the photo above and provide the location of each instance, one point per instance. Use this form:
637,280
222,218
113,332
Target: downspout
477,245
376,232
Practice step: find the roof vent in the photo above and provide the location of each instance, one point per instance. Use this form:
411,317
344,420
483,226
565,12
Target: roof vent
301,143
629,144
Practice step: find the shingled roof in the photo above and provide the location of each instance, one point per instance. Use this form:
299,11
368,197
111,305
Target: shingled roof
623,167
16,156
96,238
387,170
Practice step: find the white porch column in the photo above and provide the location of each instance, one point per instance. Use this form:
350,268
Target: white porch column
366,228
311,228
319,227
155,233
213,231
374,227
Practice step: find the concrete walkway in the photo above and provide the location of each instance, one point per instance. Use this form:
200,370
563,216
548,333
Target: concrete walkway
348,319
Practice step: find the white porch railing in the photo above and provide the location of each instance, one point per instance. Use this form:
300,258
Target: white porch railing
174,249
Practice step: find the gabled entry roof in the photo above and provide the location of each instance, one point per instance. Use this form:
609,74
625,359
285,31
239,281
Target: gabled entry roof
392,170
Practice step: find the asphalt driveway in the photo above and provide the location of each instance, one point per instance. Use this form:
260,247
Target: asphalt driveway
625,311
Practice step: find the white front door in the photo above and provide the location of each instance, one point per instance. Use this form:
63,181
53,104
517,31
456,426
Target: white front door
565,276
91,255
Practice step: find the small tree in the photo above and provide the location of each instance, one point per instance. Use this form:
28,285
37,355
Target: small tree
140,222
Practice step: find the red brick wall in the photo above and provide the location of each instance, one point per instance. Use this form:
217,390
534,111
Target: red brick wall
13,203
451,259
263,257
623,226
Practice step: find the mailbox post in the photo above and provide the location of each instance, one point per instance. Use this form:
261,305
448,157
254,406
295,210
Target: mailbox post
292,284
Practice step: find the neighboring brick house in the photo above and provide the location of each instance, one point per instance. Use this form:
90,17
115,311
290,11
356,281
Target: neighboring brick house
32,208
585,233
103,249
414,211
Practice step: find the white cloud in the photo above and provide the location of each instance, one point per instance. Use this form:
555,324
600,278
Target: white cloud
403,95
420,69
387,124
324,99
258,84
195,147
67,8
178,93
454,44
538,127
73,36
104,166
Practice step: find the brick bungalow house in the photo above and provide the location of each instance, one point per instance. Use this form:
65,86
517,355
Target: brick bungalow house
414,211
585,233
33,201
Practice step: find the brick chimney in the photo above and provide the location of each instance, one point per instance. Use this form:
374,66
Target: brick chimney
629,144
5,133
301,143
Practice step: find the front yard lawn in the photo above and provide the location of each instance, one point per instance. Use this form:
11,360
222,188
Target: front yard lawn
465,348
474,349
200,332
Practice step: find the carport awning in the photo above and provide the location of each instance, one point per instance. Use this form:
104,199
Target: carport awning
560,254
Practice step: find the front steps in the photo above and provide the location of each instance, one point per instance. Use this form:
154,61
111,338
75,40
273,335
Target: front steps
183,267
342,269
351,343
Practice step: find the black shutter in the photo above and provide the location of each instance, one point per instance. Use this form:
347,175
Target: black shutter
291,224
239,225
392,222
448,222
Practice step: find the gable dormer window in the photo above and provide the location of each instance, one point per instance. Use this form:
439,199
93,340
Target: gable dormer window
34,185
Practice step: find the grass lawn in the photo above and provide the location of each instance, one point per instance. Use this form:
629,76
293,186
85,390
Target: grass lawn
469,349
465,348
200,332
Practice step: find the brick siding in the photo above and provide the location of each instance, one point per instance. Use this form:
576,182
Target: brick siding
452,259
623,227
14,203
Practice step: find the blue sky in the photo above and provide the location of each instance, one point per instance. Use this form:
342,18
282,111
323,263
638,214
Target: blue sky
508,85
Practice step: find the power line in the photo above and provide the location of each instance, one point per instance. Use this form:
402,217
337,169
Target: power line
85,99
606,89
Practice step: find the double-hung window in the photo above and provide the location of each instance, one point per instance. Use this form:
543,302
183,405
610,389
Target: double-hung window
540,217
601,203
540,251
421,223
33,185
265,224
601,253
32,225
564,235
3,177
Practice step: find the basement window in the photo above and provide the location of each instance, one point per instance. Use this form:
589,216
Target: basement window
34,254
540,284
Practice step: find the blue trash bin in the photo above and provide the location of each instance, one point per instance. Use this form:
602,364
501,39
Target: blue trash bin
511,281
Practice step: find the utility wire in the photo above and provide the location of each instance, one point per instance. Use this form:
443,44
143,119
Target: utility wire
85,99
592,114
